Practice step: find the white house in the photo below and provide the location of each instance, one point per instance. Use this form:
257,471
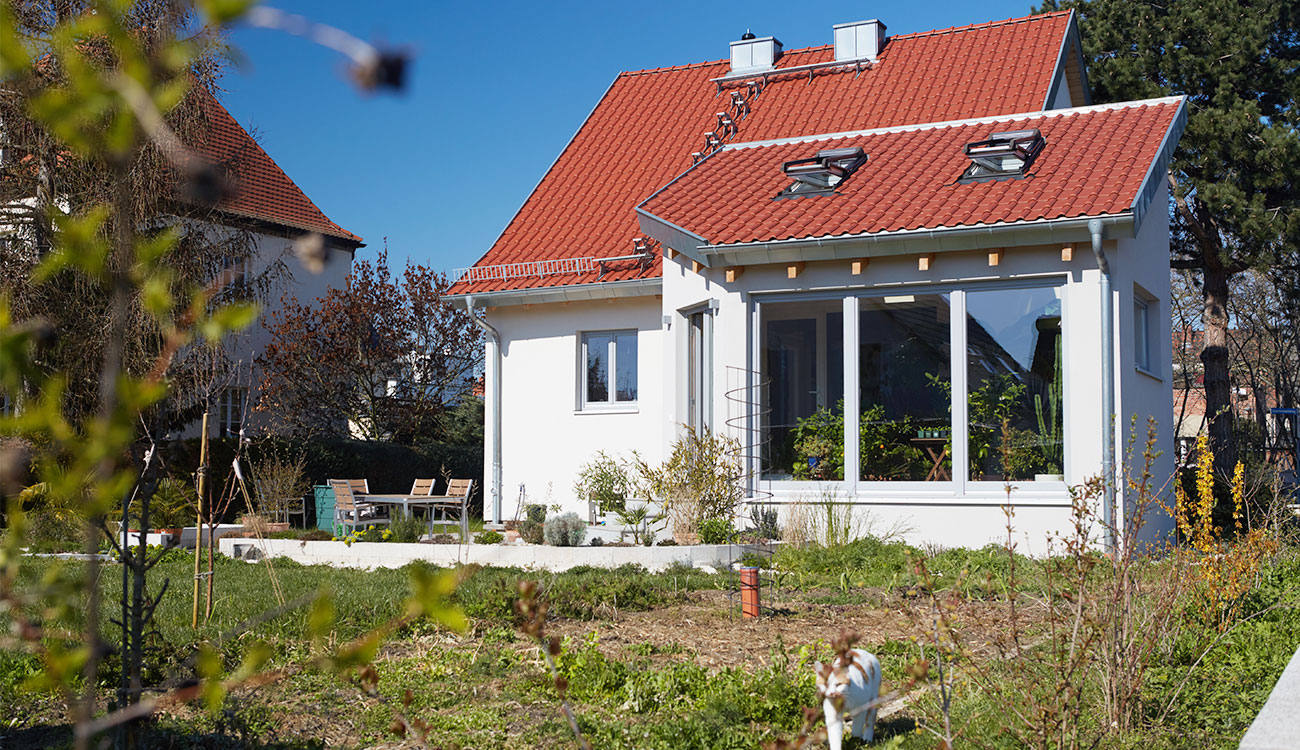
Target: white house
788,247
274,212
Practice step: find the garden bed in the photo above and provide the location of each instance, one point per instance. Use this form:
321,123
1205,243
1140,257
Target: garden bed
528,556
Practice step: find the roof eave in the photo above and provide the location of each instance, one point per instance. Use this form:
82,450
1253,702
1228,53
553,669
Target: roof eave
571,293
913,241
670,235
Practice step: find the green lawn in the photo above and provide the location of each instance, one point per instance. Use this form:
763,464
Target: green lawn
652,660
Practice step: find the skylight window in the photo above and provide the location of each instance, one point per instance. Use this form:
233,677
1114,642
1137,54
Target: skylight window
1006,154
821,174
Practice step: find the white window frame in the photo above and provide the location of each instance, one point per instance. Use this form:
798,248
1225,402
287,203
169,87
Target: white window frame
960,486
613,404
1143,353
227,415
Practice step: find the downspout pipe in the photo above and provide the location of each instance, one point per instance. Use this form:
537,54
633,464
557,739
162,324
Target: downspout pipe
1107,388
494,388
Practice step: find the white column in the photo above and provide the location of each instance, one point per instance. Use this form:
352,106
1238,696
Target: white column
960,418
852,406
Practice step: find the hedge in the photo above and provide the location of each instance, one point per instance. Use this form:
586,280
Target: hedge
389,468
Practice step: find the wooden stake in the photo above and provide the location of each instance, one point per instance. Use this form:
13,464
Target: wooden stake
734,273
923,262
860,265
793,270
995,257
198,527
1067,253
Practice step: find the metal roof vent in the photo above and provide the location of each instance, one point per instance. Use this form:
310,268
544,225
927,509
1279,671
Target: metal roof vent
860,40
754,54
822,173
1006,154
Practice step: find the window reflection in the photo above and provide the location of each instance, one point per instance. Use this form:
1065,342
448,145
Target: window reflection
1014,384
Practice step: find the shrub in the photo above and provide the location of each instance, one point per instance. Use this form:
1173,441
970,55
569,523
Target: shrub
565,530
764,522
489,537
603,480
596,542
316,535
699,481
279,482
715,531
531,530
405,528
173,505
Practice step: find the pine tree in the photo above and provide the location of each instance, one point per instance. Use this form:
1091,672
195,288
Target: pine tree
1235,178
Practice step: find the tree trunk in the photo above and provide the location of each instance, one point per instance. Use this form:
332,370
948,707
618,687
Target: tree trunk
1214,361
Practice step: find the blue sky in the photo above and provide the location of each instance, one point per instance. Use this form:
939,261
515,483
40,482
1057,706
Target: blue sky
495,92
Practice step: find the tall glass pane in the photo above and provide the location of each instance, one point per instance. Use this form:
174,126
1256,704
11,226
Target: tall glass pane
904,388
803,364
598,366
1014,384
625,365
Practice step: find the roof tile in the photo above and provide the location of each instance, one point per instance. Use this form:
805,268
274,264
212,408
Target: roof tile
642,132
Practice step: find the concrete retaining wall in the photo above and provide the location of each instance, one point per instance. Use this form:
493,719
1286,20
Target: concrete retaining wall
532,556
1277,726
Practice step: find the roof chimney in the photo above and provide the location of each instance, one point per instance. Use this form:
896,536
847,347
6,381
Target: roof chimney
860,40
754,54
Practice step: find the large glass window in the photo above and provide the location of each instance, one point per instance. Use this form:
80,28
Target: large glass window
609,374
1014,384
905,388
803,362
901,355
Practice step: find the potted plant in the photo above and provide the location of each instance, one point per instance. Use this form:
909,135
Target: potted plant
172,507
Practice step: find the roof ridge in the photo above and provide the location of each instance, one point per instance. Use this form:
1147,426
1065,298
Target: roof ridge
819,47
983,25
1065,112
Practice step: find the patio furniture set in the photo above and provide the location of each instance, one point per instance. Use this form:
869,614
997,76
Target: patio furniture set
355,506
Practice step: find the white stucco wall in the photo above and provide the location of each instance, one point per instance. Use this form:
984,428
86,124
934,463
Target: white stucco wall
546,436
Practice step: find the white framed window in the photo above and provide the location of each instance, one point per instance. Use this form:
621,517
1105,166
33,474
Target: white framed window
608,370
230,411
1142,322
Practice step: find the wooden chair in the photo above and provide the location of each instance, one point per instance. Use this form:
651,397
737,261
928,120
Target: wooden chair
422,488
360,486
457,498
349,511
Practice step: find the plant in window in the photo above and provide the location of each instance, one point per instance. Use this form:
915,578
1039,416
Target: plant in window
604,480
1049,418
819,445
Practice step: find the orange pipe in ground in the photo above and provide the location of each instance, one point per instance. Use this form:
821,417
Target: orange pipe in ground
749,593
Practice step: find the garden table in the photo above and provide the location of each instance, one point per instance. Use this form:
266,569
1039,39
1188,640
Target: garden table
428,501
938,450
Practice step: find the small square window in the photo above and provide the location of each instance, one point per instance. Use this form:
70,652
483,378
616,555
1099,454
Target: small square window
608,369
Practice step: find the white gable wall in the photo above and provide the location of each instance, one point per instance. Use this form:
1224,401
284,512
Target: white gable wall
546,438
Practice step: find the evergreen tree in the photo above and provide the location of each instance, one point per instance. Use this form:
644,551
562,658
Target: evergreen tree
1235,178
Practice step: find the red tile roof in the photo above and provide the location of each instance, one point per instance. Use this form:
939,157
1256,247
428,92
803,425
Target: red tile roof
644,129
262,190
1094,163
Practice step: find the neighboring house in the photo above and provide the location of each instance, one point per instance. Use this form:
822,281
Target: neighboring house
726,245
268,205
1254,395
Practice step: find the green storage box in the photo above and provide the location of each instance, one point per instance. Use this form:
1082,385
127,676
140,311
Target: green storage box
324,507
